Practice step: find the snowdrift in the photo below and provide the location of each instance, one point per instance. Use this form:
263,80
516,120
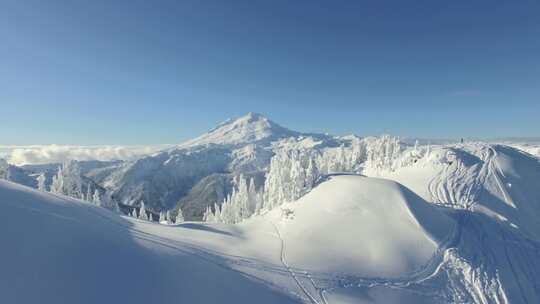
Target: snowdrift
364,226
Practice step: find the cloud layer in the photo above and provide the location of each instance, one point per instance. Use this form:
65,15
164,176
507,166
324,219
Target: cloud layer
43,154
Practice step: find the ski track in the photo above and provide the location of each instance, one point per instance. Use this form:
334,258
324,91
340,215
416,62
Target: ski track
292,272
454,203
218,259
446,188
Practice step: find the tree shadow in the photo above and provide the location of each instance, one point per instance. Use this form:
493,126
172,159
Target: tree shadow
204,227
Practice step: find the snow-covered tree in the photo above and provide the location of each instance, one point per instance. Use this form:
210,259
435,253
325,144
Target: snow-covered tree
88,197
69,181
41,182
168,217
162,216
142,212
96,197
243,202
58,182
293,172
383,152
312,174
208,215
179,217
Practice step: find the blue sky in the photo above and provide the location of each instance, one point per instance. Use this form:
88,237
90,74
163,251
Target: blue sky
148,72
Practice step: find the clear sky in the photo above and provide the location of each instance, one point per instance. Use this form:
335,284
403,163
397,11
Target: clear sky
148,72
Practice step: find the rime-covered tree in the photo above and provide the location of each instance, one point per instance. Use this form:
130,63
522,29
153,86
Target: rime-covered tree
293,172
142,212
162,216
58,182
243,202
69,181
168,217
41,182
208,215
96,197
179,217
312,174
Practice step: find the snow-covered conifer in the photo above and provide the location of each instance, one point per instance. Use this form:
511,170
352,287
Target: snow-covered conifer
41,182
142,212
168,217
162,216
179,217
96,198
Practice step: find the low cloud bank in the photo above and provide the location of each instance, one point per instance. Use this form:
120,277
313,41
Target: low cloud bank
43,154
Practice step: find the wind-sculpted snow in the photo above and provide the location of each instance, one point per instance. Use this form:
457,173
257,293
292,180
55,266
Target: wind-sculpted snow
495,188
375,227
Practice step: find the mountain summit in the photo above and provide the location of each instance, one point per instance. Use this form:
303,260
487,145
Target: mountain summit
252,127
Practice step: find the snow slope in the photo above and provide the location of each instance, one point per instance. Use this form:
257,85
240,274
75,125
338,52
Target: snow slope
66,251
59,250
494,190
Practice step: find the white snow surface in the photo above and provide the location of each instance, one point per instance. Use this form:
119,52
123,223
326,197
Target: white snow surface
60,250
365,226
458,225
68,251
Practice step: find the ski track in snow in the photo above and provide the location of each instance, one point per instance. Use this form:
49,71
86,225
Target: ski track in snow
215,258
292,272
446,188
454,200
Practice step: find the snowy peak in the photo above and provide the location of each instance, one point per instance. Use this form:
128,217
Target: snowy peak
249,128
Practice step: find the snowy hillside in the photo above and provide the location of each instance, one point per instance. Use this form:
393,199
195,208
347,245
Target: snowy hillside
59,250
444,224
265,259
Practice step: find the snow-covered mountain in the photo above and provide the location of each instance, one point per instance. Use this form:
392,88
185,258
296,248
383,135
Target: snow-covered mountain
240,146
426,224
251,128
